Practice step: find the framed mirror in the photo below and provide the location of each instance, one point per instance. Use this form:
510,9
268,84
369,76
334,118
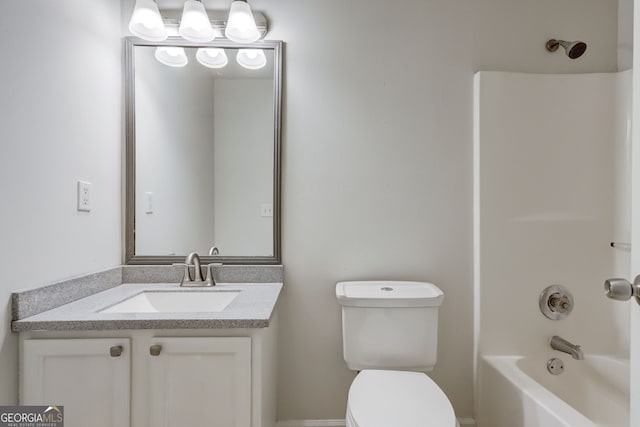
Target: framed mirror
203,151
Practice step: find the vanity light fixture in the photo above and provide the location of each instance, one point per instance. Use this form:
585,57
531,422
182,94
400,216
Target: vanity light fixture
172,56
241,25
195,25
252,59
212,57
146,21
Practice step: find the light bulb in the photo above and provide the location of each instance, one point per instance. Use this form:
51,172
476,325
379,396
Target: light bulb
195,25
241,25
146,21
171,56
252,59
212,57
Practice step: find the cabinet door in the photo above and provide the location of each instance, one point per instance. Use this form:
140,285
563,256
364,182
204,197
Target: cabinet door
198,382
89,377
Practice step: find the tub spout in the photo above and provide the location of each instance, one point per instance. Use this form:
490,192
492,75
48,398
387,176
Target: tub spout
565,346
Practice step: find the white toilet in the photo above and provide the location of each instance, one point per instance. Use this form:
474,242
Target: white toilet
390,335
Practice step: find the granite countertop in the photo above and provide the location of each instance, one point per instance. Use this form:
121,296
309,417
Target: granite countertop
252,308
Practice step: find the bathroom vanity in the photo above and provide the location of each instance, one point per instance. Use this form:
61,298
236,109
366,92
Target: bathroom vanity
110,365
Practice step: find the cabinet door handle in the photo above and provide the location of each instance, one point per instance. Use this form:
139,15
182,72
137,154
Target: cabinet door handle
155,350
116,351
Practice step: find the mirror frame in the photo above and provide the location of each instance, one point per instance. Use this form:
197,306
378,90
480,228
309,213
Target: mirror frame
130,153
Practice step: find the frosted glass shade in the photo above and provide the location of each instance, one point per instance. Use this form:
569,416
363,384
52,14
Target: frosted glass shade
253,59
241,26
171,56
195,25
146,21
212,57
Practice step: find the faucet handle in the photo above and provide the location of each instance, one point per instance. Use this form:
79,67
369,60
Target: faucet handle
559,303
186,277
556,302
210,279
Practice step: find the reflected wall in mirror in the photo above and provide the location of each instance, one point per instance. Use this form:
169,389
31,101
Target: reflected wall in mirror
203,150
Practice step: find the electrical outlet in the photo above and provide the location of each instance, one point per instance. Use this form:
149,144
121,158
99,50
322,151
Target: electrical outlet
84,196
266,210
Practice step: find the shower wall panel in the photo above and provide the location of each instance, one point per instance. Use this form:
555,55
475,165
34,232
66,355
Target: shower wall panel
551,193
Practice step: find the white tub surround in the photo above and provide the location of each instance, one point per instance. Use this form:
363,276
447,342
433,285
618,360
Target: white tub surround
551,174
518,391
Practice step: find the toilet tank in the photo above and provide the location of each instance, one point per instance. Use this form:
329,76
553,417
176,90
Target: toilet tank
389,324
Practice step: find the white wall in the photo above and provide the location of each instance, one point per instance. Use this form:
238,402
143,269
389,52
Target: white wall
243,166
60,121
174,152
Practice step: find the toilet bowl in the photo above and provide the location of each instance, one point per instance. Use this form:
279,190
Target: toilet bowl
381,398
389,334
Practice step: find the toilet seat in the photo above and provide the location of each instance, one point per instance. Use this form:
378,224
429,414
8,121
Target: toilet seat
382,398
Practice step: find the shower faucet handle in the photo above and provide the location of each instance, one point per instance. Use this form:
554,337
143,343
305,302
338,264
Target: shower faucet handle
556,302
622,289
560,303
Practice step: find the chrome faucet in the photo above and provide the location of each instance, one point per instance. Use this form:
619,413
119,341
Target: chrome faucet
194,260
565,346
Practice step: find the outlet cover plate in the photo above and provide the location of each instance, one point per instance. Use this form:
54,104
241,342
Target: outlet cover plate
84,196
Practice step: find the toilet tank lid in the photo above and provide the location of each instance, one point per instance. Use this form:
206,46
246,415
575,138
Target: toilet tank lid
387,293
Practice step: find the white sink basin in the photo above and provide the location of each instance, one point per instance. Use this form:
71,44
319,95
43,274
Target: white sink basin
174,302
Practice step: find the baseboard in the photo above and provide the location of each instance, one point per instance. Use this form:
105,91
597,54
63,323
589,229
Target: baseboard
469,422
311,423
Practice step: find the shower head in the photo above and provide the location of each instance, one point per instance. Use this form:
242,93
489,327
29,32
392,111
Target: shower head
573,50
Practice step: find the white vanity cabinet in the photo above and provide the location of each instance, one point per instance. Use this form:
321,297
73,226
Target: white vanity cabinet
89,377
200,381
162,378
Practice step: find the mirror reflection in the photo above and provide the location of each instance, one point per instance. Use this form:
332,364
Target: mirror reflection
205,151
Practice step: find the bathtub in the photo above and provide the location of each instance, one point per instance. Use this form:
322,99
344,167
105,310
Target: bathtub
516,391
